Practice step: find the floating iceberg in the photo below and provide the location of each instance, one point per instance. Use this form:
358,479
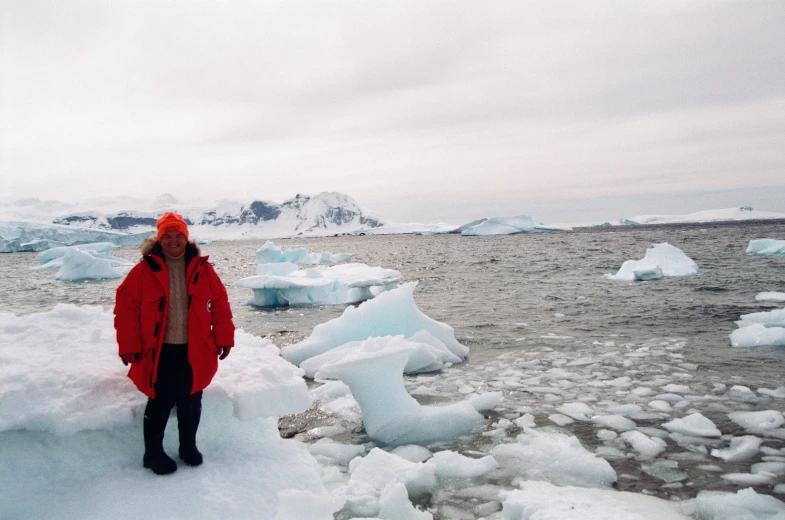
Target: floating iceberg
766,246
508,226
390,415
78,265
280,284
30,237
427,353
389,314
770,297
760,329
53,258
270,253
660,260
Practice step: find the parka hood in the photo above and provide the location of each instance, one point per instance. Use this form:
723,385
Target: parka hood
150,246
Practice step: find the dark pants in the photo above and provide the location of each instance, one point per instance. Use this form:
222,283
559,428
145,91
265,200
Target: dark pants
172,388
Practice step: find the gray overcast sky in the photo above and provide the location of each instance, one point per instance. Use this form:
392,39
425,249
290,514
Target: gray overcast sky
420,110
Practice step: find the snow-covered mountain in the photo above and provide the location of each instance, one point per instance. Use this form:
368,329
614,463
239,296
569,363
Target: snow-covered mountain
321,214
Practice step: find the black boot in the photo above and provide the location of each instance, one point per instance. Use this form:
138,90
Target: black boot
155,458
189,412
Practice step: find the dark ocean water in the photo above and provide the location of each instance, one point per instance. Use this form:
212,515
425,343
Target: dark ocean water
503,294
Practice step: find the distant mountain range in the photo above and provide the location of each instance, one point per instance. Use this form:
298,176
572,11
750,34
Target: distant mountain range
321,214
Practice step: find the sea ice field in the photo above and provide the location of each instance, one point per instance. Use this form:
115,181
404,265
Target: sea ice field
556,391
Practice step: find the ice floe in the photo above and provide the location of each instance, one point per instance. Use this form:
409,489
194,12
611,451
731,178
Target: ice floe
660,260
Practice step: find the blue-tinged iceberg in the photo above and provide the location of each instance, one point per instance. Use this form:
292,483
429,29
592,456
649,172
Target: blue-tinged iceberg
23,237
283,283
766,246
660,260
270,253
53,258
508,226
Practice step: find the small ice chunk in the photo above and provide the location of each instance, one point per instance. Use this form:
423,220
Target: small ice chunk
451,464
613,421
744,504
741,393
694,424
394,504
647,447
741,448
338,452
764,420
770,297
413,453
671,260
778,392
485,401
750,479
578,411
665,470
561,420
525,421
677,389
772,468
606,435
758,335
660,405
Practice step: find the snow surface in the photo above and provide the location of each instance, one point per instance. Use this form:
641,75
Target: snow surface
766,246
660,260
281,284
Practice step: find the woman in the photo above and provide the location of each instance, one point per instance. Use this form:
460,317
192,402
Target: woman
173,324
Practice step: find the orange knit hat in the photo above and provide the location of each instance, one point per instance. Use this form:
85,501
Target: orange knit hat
171,221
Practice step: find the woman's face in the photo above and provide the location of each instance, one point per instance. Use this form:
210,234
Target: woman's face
173,243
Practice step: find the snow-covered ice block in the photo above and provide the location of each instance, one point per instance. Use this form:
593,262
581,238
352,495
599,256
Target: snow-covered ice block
413,452
545,501
766,246
741,448
270,253
390,414
578,411
502,226
778,392
60,373
336,451
556,458
427,353
389,314
346,283
451,464
744,504
374,472
764,420
671,261
694,424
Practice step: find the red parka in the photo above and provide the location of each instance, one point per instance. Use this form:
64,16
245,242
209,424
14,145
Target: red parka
142,308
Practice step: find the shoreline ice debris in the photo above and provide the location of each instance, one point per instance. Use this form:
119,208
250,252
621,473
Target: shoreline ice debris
389,314
283,283
760,329
270,253
660,260
390,415
766,246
